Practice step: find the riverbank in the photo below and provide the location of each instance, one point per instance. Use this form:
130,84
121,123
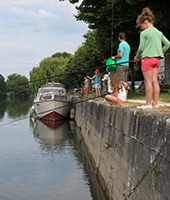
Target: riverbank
124,143
136,99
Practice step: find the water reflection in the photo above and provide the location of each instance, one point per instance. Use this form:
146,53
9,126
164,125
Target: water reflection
3,105
96,189
18,107
61,138
43,160
51,136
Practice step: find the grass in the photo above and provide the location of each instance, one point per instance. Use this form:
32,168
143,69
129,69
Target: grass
162,97
136,96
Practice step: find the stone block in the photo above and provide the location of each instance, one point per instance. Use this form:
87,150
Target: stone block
143,152
113,115
120,119
93,109
129,125
107,114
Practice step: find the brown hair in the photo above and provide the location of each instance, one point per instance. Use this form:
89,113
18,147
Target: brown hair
145,15
114,81
98,74
122,35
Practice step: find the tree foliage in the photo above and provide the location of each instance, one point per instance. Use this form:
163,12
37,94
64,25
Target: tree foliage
61,55
16,85
2,87
51,66
98,15
160,11
87,56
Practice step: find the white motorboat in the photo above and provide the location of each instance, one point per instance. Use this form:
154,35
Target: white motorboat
51,102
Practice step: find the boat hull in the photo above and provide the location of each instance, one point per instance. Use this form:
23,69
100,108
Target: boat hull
52,110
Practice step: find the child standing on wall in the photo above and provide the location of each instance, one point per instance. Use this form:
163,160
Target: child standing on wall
151,48
97,80
118,87
86,85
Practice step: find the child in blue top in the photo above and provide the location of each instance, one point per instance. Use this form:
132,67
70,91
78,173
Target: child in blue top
97,80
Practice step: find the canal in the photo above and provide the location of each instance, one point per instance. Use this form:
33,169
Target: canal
43,160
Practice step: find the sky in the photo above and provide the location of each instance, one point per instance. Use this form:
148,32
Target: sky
31,30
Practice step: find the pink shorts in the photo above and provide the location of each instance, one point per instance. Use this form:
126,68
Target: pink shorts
147,64
119,100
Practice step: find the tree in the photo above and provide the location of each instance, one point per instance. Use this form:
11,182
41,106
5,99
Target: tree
51,66
98,16
59,55
87,56
2,87
18,85
160,11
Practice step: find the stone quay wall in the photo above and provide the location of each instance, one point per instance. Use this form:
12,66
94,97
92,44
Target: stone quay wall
125,143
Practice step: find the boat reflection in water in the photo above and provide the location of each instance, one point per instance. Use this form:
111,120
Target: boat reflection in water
72,170
52,135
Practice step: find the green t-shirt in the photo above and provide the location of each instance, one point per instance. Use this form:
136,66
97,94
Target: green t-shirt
151,40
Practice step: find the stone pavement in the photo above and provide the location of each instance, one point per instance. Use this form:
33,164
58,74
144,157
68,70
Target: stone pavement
161,103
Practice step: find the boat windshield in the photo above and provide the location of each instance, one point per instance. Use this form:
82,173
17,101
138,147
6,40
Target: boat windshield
58,97
46,97
56,90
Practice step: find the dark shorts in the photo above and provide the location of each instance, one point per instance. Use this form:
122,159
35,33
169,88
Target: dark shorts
122,71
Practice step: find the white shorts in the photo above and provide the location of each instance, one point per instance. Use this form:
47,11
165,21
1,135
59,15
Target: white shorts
97,85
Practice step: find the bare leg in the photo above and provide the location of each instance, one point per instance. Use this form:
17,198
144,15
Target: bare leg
156,88
126,94
111,98
96,92
149,86
99,92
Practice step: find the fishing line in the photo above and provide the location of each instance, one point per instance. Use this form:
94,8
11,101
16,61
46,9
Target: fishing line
27,63
83,70
112,28
68,73
50,110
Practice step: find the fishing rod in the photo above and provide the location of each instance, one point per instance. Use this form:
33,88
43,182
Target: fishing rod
68,73
72,104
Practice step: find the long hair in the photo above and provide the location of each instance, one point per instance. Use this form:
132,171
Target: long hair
98,74
145,15
114,81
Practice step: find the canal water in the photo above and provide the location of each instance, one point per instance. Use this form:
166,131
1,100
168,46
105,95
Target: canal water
44,161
